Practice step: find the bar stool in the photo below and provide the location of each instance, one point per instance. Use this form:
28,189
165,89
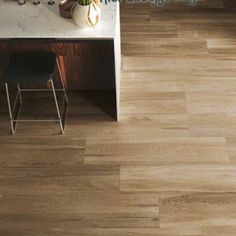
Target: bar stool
33,68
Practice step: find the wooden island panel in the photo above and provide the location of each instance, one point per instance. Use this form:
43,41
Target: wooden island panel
86,64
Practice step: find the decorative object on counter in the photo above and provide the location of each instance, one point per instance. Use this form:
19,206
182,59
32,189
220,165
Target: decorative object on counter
86,13
65,7
36,2
21,2
51,2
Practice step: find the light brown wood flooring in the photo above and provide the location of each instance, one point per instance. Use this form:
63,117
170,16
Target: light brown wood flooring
168,168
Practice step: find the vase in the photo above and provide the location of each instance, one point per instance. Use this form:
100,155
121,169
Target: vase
65,7
86,15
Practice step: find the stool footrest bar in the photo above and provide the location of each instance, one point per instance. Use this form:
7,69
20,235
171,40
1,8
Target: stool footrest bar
19,120
40,90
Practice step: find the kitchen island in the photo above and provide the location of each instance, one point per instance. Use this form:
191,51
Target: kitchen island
89,58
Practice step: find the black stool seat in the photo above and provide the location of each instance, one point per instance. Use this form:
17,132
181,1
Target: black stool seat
28,68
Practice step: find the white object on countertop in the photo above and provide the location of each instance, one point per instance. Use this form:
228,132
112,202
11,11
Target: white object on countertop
88,15
21,2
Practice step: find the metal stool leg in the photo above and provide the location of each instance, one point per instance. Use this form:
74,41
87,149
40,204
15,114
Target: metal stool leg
57,107
19,91
62,82
10,111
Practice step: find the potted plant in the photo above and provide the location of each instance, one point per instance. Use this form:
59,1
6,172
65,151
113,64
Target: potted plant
86,13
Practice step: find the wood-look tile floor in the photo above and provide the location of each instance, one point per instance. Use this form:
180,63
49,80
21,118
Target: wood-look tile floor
168,168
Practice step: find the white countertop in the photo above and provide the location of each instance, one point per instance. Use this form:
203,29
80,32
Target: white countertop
44,21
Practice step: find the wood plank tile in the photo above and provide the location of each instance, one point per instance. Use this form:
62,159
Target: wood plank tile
198,210
136,45
183,150
81,209
140,128
175,178
214,125
149,102
226,230
32,151
108,231
191,65
221,46
142,81
231,147
210,102
58,179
